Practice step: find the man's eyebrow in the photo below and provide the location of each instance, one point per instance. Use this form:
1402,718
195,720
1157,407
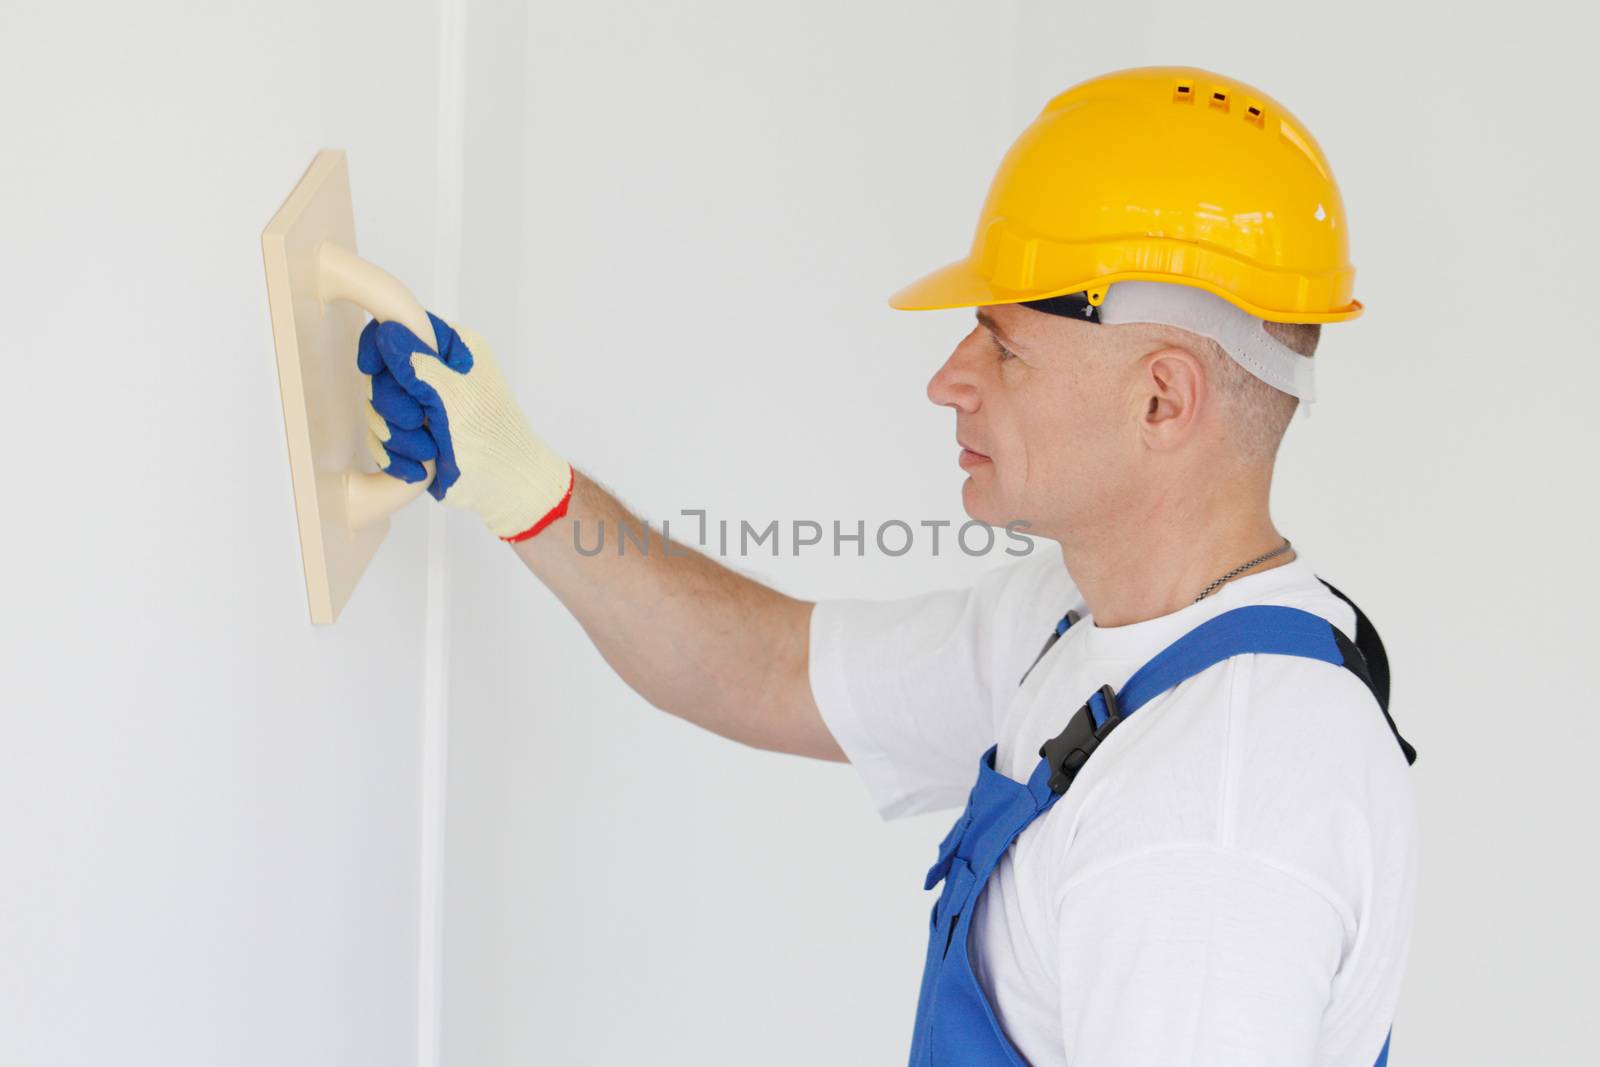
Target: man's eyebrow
983,316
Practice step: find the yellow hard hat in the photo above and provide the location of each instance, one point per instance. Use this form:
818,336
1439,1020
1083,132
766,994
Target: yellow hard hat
1166,174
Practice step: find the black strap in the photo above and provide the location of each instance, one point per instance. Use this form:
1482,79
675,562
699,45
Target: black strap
1055,635
1368,661
1068,305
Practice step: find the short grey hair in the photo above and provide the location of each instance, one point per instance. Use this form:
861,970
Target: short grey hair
1258,413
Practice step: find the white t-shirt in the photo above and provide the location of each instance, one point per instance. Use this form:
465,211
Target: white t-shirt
1228,881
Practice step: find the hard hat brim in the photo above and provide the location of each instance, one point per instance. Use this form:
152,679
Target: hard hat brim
959,285
954,285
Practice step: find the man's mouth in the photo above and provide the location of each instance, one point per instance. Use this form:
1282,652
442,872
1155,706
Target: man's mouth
970,456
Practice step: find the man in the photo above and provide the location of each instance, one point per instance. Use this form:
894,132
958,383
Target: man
1228,880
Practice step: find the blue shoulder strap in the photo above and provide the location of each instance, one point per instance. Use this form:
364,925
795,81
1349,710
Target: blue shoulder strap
1265,628
1257,628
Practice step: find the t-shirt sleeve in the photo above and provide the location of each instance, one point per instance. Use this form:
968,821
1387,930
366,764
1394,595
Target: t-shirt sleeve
907,689
1200,955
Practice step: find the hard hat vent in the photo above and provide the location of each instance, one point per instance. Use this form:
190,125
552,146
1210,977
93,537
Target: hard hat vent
1185,91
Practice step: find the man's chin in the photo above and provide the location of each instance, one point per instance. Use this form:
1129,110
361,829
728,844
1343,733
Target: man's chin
979,504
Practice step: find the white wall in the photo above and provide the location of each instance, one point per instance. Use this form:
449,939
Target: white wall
208,809
714,202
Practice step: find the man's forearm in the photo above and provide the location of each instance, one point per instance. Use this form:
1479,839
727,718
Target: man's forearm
691,636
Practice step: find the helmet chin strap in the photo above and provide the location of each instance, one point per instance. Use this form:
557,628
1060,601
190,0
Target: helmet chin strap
1240,334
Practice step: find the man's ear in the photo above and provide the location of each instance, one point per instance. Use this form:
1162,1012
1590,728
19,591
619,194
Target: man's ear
1172,385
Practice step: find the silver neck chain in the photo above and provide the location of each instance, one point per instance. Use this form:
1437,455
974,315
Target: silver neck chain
1218,584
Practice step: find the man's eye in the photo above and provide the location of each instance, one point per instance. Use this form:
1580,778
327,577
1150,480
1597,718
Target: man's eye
1005,353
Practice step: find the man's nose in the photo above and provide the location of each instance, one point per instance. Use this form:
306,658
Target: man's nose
955,384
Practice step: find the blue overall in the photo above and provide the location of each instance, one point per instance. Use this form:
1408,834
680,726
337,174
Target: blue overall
955,1023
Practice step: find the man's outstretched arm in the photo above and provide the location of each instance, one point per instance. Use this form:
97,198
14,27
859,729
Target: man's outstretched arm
689,635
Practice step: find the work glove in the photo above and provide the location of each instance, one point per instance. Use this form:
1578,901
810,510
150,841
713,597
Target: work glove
489,461
396,436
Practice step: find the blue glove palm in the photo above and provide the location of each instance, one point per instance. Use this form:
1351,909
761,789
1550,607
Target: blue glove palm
453,405
400,440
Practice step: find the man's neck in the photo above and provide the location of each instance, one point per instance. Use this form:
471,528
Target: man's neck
1158,564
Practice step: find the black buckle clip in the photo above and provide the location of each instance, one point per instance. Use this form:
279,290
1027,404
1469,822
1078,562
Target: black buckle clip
1068,751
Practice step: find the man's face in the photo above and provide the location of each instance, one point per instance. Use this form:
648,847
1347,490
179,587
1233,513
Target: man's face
1043,414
